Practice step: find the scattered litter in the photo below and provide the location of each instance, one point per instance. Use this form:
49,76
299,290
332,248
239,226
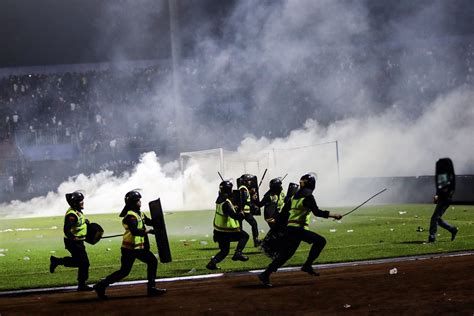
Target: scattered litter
192,240
207,236
26,258
3,249
6,230
182,240
332,230
393,271
28,250
392,229
416,216
54,227
108,249
187,227
203,242
419,229
193,270
347,306
25,229
2,255
52,251
350,230
402,212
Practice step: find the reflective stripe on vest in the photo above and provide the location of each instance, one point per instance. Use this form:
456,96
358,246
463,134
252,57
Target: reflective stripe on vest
279,200
247,202
130,241
224,223
299,215
79,230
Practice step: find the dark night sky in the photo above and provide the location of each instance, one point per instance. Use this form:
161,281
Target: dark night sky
43,32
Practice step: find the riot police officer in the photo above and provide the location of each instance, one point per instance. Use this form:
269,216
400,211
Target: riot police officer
75,231
135,245
249,199
296,215
227,227
273,201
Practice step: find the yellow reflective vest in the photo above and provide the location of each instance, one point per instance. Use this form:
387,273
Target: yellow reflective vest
299,215
130,241
225,223
80,229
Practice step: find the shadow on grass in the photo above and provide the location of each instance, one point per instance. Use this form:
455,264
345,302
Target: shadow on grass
413,242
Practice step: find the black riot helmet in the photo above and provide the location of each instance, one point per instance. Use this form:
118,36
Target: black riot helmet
276,185
246,179
225,187
74,199
131,199
308,181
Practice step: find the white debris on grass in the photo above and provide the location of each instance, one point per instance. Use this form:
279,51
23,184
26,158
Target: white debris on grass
108,249
193,270
332,230
203,242
392,229
54,227
393,271
6,230
207,235
3,249
2,255
25,229
402,212
26,258
347,306
187,227
52,251
350,230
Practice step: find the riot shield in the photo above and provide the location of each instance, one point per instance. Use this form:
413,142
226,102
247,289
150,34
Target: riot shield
94,233
445,177
292,189
159,226
253,189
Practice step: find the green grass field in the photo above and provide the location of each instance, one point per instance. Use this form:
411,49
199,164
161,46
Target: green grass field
370,233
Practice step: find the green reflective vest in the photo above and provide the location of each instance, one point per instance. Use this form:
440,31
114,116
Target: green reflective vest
80,229
130,241
279,200
224,223
246,206
299,215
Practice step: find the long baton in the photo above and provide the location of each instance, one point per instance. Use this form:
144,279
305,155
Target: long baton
284,177
220,175
264,173
111,236
365,201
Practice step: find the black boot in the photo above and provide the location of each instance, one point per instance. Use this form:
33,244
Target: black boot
83,287
153,291
309,269
454,233
53,263
99,289
264,277
238,256
212,265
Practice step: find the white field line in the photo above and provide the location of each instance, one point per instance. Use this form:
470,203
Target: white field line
251,272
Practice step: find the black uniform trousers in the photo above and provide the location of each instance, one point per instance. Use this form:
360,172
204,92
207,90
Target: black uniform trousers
78,259
248,217
436,219
127,260
224,239
294,236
